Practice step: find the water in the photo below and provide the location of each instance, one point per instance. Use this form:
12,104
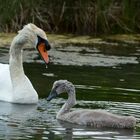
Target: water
105,77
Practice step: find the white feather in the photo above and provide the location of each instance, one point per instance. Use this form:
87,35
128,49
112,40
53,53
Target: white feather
15,86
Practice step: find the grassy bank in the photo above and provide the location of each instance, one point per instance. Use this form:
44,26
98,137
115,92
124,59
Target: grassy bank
90,17
65,39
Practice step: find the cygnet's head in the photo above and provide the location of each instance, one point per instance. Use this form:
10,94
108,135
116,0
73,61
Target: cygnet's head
37,37
59,87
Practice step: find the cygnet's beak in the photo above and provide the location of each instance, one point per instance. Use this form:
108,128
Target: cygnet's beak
53,94
43,46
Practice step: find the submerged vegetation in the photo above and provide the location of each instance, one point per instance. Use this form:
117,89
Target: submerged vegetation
90,17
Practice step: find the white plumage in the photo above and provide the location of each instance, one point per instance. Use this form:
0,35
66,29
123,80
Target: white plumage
15,87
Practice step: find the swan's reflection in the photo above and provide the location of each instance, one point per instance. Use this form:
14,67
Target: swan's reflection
76,131
14,114
14,118
17,110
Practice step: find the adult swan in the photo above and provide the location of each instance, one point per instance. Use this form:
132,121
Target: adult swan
15,87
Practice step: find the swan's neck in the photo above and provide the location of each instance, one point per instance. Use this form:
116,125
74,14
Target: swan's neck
23,91
69,103
16,66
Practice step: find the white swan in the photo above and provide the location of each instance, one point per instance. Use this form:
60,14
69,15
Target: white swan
95,118
15,87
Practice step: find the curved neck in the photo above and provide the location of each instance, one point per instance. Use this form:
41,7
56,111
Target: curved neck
24,37
23,91
15,62
69,103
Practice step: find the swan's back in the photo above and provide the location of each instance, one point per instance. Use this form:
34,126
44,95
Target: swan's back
5,83
98,118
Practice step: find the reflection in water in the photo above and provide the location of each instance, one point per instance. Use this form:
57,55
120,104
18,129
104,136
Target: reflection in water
76,131
38,122
114,88
11,118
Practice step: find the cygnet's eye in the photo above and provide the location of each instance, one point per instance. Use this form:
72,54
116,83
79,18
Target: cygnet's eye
56,86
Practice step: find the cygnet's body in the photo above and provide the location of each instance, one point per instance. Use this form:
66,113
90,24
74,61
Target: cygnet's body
96,118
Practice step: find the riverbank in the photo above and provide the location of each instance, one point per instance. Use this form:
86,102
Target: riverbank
65,39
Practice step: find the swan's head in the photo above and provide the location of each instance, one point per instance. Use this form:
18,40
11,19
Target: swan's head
59,87
35,36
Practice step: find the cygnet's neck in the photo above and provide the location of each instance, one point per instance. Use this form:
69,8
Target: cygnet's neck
69,103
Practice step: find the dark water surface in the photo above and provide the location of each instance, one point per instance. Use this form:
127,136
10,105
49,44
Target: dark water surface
105,77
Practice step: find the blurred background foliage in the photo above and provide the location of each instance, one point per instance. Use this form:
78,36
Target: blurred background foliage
90,17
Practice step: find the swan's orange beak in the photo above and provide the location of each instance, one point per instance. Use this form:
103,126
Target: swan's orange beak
43,46
43,52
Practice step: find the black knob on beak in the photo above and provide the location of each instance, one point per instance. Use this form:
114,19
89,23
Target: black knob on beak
48,46
42,40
